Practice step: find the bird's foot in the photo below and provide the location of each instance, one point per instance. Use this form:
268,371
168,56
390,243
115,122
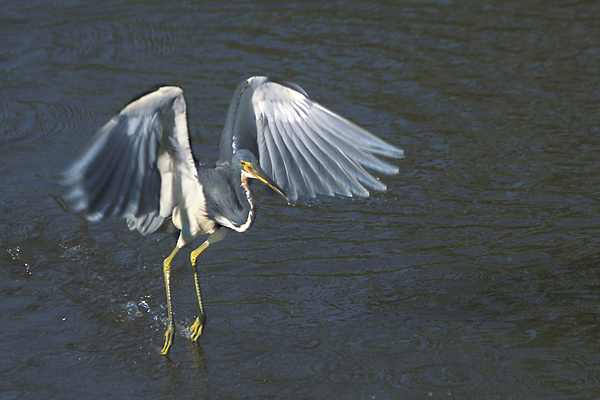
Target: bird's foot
196,329
169,335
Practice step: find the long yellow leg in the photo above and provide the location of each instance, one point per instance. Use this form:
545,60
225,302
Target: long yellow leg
198,326
170,333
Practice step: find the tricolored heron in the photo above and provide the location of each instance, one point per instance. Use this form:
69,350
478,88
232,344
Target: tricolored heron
140,166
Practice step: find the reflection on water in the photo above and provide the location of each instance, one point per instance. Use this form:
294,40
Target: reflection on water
474,275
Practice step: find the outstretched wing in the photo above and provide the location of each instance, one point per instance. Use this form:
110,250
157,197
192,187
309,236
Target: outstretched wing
305,148
138,166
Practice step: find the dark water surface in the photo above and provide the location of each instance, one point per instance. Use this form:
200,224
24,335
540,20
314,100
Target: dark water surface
475,276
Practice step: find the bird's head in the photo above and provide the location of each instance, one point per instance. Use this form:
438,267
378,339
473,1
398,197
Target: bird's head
248,164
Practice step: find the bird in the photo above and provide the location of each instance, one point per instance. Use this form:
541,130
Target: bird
139,166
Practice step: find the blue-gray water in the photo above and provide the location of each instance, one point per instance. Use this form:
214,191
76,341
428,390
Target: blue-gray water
475,276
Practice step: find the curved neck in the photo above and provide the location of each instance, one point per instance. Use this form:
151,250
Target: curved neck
228,197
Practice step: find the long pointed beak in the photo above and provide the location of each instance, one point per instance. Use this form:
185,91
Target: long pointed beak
256,172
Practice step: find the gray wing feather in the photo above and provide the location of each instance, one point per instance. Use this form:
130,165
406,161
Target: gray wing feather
129,167
305,148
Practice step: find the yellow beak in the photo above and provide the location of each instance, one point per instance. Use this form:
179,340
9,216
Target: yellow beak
256,172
